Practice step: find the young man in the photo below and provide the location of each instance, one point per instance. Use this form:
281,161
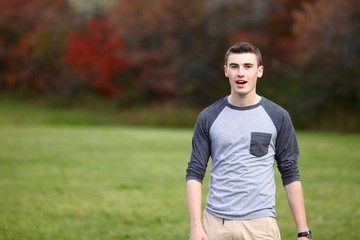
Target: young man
244,134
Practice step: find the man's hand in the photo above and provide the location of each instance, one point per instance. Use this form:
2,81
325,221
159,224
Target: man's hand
198,234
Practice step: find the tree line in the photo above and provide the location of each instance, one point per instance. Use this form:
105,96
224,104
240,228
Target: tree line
141,53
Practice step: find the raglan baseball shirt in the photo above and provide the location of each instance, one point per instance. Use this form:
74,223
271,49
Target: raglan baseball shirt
243,144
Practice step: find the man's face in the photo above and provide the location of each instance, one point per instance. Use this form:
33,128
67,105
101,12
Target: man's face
242,70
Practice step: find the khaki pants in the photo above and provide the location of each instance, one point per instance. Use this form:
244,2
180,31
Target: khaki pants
255,229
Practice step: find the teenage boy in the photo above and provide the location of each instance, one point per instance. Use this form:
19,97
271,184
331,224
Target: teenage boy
243,133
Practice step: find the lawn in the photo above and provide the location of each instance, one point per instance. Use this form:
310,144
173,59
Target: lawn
92,183
111,182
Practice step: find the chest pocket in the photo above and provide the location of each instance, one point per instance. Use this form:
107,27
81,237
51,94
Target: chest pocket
259,144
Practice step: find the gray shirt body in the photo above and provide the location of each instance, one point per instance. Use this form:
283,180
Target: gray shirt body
243,143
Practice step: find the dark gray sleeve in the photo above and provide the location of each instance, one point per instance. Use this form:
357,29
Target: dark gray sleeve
201,141
201,149
287,151
286,146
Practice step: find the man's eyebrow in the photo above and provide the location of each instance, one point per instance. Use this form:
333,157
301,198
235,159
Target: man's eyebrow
236,64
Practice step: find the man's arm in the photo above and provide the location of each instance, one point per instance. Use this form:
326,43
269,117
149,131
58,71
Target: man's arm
194,200
295,196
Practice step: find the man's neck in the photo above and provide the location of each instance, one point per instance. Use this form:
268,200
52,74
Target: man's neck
239,101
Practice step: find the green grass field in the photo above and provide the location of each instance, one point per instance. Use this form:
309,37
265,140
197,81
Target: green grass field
77,181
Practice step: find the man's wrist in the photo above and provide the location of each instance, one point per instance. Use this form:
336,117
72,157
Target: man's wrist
195,225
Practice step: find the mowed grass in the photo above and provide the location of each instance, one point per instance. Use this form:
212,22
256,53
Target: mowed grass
111,182
92,183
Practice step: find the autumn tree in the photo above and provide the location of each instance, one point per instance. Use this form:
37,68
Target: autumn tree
30,45
174,47
159,39
95,53
327,53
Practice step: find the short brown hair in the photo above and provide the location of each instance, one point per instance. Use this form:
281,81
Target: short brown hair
244,47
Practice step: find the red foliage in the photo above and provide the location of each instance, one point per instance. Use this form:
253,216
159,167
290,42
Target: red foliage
157,37
95,54
26,31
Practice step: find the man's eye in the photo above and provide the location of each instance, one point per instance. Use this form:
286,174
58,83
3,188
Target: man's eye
233,67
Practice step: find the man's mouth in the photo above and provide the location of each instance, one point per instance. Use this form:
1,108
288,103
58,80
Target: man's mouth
240,82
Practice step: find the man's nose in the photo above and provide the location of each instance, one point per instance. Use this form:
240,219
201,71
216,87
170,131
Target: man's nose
241,71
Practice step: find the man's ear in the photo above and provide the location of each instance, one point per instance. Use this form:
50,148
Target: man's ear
260,71
225,71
